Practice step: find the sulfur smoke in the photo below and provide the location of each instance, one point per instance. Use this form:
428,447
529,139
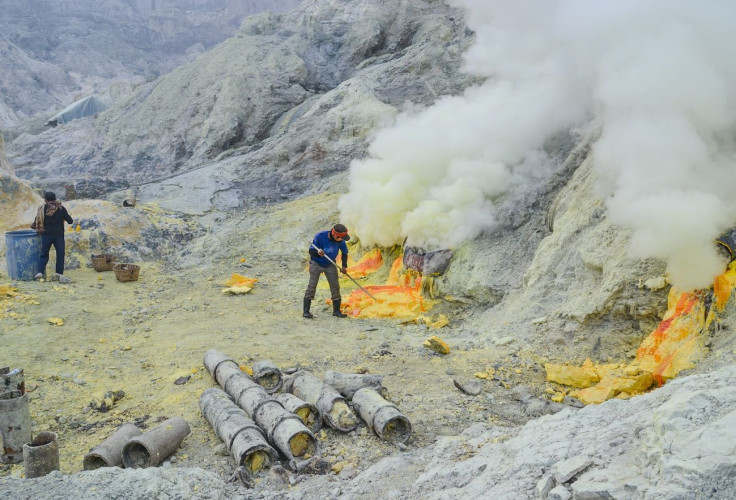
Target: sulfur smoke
657,78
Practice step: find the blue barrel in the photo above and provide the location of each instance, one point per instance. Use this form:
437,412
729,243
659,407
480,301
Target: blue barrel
22,254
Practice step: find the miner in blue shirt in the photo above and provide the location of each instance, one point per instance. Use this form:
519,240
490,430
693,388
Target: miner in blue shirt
328,244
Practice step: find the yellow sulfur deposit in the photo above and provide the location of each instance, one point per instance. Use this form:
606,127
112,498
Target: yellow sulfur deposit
436,344
256,460
239,285
571,375
341,414
56,321
673,346
306,415
300,444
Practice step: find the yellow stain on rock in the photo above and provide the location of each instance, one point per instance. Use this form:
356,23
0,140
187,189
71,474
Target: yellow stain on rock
436,344
675,345
56,321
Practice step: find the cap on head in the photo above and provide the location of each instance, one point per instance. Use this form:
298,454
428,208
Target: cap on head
49,196
342,231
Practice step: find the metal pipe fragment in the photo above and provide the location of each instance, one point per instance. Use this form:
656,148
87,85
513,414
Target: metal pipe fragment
284,430
266,374
213,359
41,455
152,447
109,453
333,407
241,435
382,417
348,384
12,380
15,425
310,415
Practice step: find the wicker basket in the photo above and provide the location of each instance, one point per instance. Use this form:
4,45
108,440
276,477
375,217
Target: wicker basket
126,272
103,262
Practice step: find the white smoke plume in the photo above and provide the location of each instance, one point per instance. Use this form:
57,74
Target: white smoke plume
658,76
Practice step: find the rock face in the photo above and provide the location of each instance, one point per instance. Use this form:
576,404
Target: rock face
676,442
52,50
614,450
289,100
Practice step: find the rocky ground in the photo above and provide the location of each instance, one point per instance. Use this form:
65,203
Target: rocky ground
141,337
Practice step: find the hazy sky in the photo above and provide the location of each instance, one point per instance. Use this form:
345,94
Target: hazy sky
655,77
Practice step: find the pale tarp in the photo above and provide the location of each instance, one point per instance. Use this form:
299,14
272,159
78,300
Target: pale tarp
79,109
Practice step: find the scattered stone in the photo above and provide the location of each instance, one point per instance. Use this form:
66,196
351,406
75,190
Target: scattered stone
348,472
471,387
567,469
182,380
318,466
436,344
559,492
544,486
571,401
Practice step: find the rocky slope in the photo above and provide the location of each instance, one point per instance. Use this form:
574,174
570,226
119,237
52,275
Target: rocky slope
249,146
53,52
315,73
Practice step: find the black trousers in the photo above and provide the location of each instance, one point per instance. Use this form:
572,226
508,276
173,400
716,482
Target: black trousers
60,247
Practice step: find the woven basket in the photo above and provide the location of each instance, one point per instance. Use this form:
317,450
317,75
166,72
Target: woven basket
126,272
103,262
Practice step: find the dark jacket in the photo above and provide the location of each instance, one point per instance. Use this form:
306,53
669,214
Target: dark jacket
54,224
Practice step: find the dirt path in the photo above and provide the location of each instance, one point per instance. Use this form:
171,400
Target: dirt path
140,337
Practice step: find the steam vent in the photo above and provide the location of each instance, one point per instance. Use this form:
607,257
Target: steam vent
419,249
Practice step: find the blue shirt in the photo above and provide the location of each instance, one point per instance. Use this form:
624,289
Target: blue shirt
331,248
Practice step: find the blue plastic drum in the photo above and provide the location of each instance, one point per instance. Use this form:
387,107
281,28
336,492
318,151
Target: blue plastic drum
22,254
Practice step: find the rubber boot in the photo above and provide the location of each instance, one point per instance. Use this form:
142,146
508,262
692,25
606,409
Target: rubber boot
307,304
336,309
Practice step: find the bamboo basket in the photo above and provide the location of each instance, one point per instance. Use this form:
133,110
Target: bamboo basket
126,272
103,262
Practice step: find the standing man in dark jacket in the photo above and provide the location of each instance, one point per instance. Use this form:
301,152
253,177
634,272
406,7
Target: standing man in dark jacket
328,244
50,223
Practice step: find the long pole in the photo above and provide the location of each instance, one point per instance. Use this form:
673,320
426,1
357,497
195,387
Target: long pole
346,274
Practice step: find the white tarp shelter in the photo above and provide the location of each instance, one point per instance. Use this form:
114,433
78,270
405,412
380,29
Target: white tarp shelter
79,109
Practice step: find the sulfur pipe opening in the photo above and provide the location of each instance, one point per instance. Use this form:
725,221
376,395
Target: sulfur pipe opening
93,461
136,455
397,430
257,461
302,445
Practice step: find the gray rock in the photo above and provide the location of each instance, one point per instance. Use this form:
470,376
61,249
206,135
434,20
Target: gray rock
544,486
567,469
559,492
471,386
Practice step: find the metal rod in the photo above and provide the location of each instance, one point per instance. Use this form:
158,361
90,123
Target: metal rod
346,274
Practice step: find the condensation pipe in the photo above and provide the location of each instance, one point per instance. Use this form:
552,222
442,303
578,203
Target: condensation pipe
284,430
12,380
41,455
152,447
382,417
15,426
348,384
309,413
241,435
266,374
109,453
212,361
331,405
